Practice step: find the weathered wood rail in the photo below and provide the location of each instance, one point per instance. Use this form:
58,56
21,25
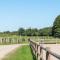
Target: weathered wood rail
9,40
38,51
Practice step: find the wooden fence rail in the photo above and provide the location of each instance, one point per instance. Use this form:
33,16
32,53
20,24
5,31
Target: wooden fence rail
9,40
38,51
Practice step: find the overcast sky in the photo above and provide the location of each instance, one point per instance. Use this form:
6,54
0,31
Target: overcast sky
27,13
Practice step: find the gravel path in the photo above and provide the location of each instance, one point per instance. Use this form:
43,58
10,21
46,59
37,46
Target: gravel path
55,48
5,49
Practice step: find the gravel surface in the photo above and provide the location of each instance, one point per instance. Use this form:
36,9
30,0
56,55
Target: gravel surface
55,48
5,49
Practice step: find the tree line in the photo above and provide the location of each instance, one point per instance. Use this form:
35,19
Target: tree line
30,32
47,31
35,32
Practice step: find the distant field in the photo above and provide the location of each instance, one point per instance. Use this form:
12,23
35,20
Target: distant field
22,53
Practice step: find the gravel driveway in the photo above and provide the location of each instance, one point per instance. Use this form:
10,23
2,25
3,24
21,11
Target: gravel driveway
5,49
55,48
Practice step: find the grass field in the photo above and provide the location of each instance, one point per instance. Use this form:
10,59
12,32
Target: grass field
22,53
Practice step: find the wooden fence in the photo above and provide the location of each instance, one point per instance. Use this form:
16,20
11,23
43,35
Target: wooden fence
38,51
9,40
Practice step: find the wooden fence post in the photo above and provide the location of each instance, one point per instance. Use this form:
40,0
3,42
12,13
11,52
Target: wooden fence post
36,51
5,40
35,48
41,54
9,40
47,55
2,40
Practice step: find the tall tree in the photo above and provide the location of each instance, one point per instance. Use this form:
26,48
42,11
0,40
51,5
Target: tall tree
56,27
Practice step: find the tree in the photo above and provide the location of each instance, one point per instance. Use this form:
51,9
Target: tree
45,31
34,32
56,27
7,32
21,31
28,32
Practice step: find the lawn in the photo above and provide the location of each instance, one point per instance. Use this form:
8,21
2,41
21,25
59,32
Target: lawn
22,53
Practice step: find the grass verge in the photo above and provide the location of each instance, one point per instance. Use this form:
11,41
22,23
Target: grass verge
22,53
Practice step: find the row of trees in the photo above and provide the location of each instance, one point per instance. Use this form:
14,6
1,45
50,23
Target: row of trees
48,31
30,32
35,32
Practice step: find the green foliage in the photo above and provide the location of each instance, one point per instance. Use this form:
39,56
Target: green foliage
29,32
56,27
45,31
36,32
21,32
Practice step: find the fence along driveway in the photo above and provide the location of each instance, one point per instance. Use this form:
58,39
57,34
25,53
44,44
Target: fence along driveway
44,52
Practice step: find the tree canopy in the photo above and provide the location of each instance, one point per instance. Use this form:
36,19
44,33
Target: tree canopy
56,27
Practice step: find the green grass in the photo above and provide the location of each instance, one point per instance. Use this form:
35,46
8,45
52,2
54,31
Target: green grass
22,53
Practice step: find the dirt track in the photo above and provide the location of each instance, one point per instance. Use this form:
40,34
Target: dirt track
55,48
5,49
